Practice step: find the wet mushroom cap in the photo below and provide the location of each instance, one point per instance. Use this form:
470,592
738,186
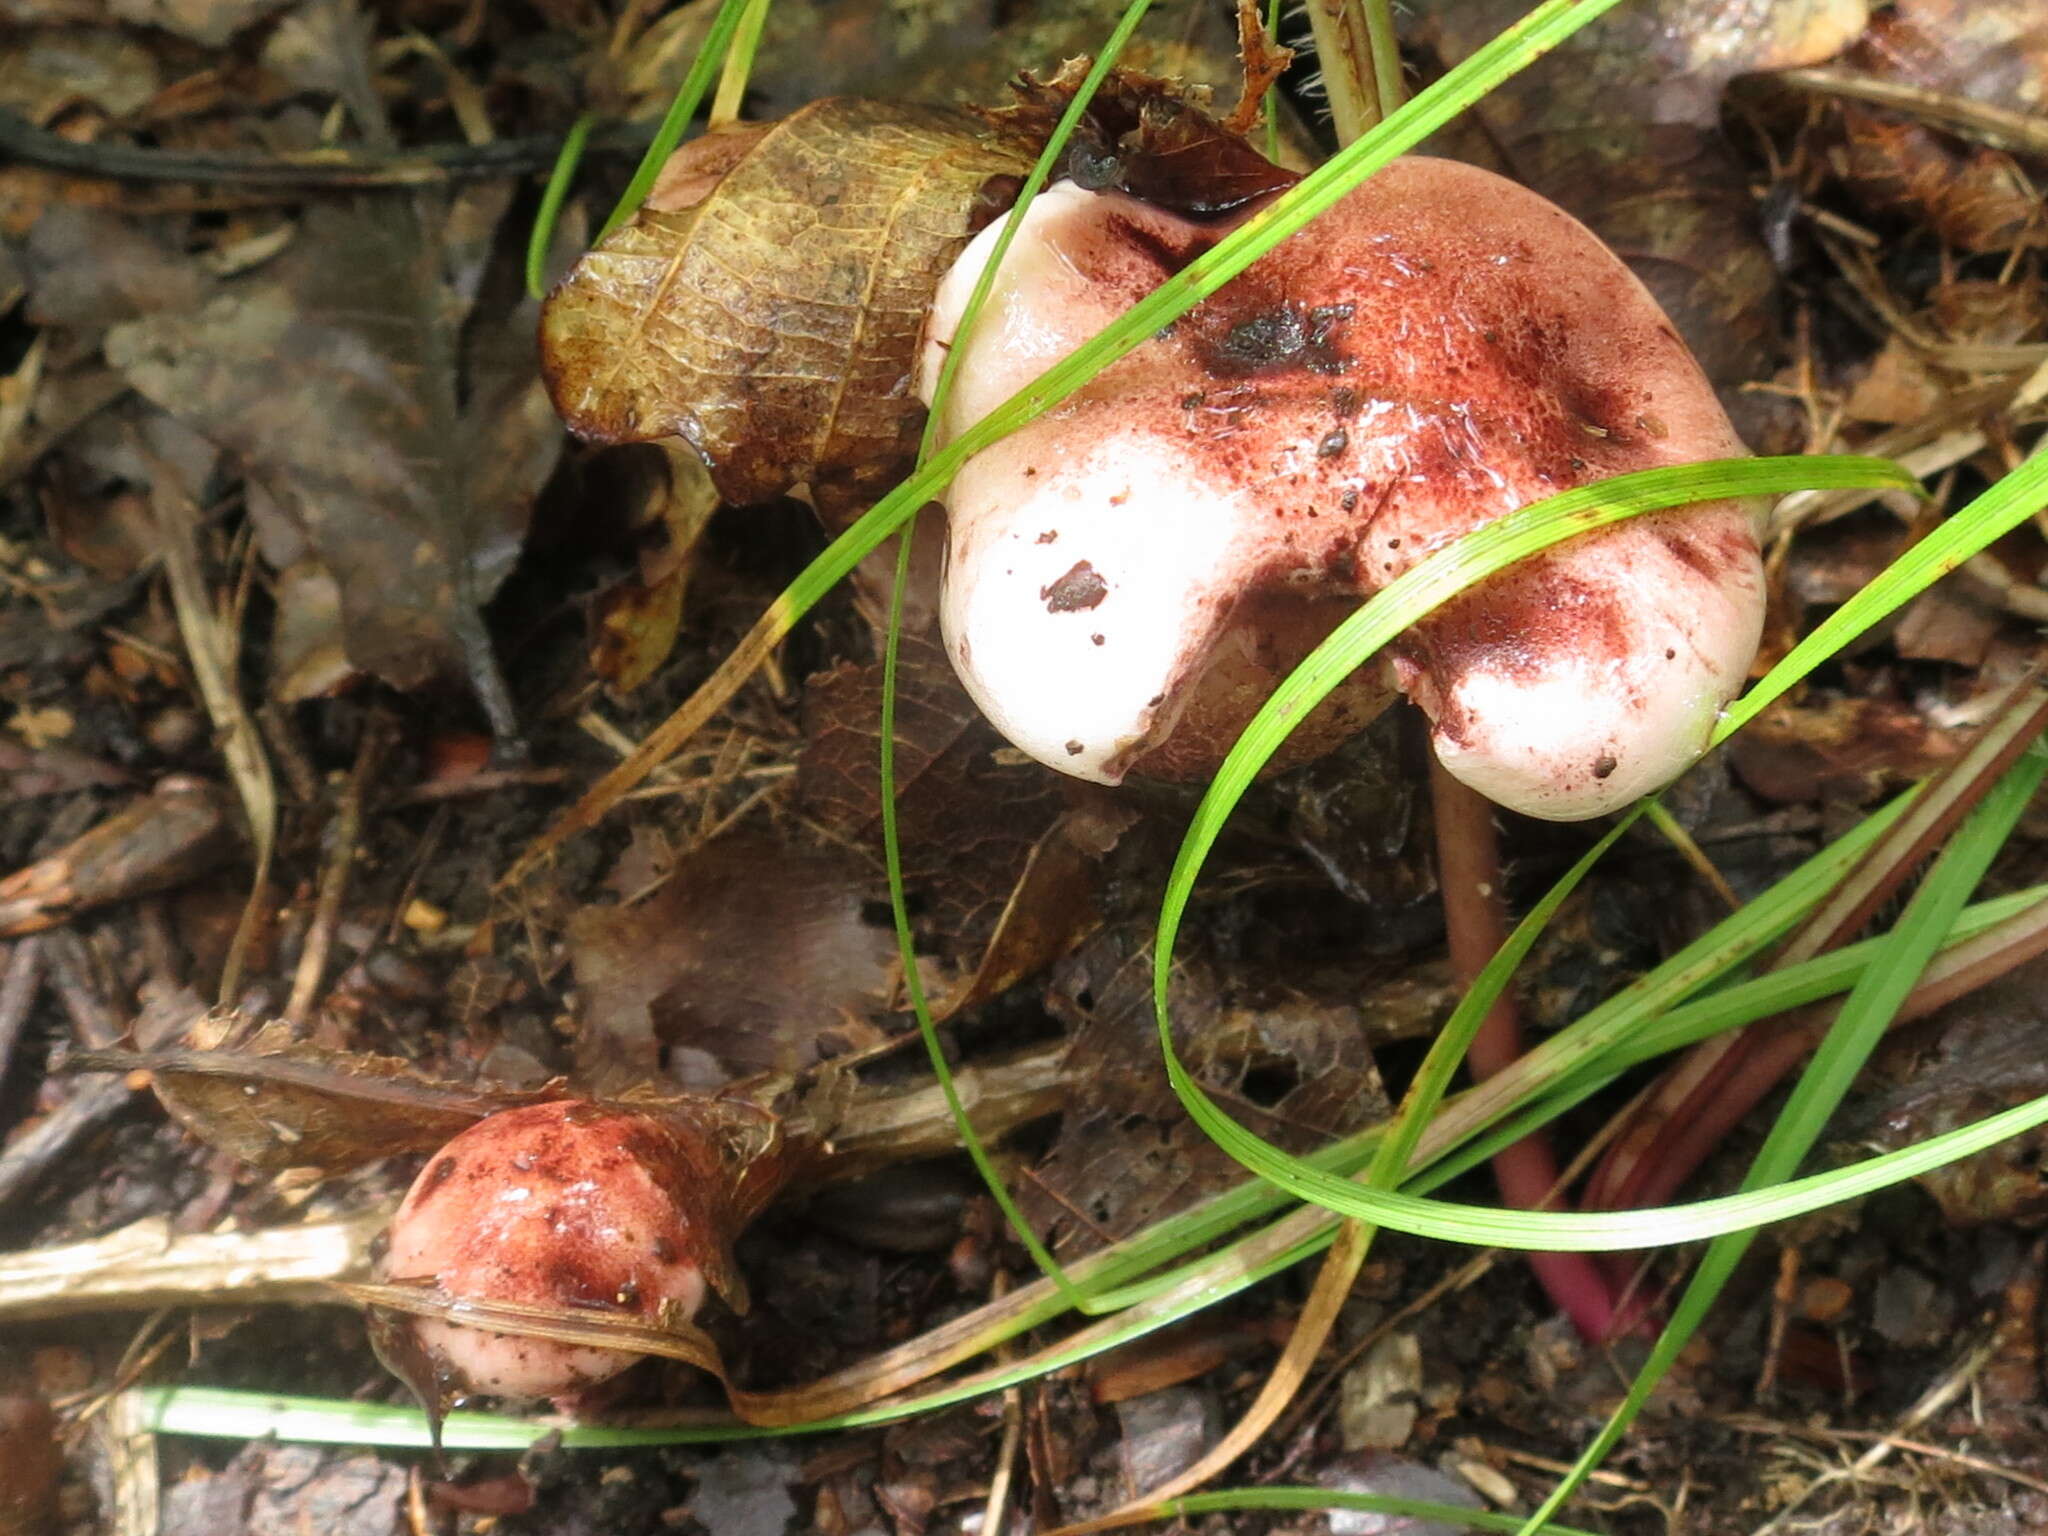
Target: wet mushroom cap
1439,349
563,1204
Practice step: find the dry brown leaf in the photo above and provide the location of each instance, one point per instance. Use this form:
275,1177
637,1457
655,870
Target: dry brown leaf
1142,136
46,67
1053,905
1974,1057
968,819
279,1104
1837,749
765,305
1898,389
404,434
1294,1070
636,620
88,267
1989,51
748,959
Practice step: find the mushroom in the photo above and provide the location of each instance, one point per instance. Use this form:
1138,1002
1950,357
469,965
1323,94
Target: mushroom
563,1204
1130,574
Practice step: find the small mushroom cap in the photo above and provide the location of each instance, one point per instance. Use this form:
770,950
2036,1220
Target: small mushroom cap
1441,348
563,1204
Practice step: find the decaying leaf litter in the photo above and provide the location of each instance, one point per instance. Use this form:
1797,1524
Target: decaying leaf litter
322,407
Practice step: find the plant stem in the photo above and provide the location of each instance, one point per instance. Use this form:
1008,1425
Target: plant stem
1475,919
1359,61
739,64
1342,50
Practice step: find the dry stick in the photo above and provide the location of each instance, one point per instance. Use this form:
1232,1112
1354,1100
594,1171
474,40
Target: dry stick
346,836
78,989
340,166
485,781
995,1511
213,650
1347,61
423,853
46,1143
1475,915
22,980
2000,127
147,1265
31,1155
1783,1294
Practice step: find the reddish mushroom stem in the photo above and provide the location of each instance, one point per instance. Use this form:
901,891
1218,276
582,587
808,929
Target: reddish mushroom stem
1475,918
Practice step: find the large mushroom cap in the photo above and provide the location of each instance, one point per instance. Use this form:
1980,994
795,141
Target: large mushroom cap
1441,348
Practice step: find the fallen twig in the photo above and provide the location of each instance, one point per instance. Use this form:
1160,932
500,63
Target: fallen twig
352,167
20,980
344,837
160,840
147,1265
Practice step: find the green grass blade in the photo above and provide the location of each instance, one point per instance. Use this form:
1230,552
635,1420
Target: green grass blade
1620,1231
1969,532
1387,614
227,1414
1447,1051
739,63
549,214
1727,1009
1459,1516
676,121
1929,916
892,852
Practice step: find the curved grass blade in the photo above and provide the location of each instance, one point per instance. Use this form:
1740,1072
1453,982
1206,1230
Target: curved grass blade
1387,614
549,214
892,852
1969,532
676,121
1929,917
1619,1231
